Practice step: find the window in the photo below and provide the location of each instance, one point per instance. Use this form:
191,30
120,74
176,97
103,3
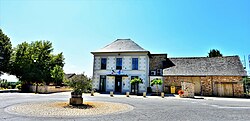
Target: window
134,63
118,63
103,63
159,72
153,73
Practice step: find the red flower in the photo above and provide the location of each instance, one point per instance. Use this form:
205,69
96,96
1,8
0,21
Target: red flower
180,92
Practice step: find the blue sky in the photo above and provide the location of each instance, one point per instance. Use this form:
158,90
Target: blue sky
179,28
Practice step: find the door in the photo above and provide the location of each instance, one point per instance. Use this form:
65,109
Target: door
224,89
197,85
135,86
102,84
227,89
118,84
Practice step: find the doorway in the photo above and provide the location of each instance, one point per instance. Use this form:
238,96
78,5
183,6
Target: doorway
118,84
102,84
135,86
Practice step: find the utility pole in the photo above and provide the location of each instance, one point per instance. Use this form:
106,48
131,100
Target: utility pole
245,78
249,63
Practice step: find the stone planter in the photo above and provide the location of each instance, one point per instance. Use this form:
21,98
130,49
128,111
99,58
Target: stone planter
76,99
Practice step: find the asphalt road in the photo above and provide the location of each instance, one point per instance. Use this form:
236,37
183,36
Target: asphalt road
151,108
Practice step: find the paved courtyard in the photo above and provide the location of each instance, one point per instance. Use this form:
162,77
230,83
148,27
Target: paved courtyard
150,108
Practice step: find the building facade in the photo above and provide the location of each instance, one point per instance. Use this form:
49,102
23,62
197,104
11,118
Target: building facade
217,76
118,63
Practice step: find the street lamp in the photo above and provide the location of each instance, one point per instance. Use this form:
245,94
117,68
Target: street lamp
35,67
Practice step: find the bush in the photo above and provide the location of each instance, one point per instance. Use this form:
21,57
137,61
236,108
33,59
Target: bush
80,83
19,86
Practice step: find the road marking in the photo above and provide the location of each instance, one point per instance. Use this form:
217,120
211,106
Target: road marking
233,107
204,104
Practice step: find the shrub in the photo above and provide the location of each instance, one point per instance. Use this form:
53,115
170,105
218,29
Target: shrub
80,83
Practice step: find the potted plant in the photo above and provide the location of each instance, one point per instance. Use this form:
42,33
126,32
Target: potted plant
181,92
156,82
79,83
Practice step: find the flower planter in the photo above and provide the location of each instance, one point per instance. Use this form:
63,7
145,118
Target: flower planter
76,99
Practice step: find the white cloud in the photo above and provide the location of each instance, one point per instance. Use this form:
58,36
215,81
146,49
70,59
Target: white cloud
9,78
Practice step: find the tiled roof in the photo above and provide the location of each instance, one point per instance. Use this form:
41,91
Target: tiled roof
205,66
121,45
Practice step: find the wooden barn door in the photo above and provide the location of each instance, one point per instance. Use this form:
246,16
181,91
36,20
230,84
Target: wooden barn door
197,85
225,90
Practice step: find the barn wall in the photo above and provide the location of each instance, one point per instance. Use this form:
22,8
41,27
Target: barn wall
209,85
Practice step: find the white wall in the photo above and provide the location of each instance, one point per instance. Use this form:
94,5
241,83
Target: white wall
142,72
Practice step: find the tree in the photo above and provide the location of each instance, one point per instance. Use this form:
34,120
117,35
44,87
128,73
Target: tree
57,74
32,63
214,53
5,53
156,82
135,82
80,83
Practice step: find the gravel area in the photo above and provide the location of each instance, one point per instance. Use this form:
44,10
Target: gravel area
61,109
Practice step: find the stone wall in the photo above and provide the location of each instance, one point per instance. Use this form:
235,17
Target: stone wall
207,84
156,61
238,90
49,89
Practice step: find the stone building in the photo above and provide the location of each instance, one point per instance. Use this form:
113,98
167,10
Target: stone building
157,62
119,62
122,60
219,76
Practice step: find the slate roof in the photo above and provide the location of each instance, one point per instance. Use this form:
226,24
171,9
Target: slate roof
68,76
205,66
121,45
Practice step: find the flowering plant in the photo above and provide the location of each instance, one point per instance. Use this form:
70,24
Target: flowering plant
180,92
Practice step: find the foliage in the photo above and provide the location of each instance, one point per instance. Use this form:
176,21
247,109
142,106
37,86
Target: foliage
19,86
156,82
57,74
8,85
80,83
5,53
136,80
248,80
214,53
32,63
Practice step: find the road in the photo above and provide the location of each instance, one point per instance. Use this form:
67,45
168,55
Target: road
150,108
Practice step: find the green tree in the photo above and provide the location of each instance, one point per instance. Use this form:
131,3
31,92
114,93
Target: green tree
156,82
57,74
214,53
80,83
5,53
135,83
32,63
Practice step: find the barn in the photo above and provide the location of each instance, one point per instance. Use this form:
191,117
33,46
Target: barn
215,76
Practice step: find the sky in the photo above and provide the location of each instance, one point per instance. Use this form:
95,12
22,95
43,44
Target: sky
180,28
